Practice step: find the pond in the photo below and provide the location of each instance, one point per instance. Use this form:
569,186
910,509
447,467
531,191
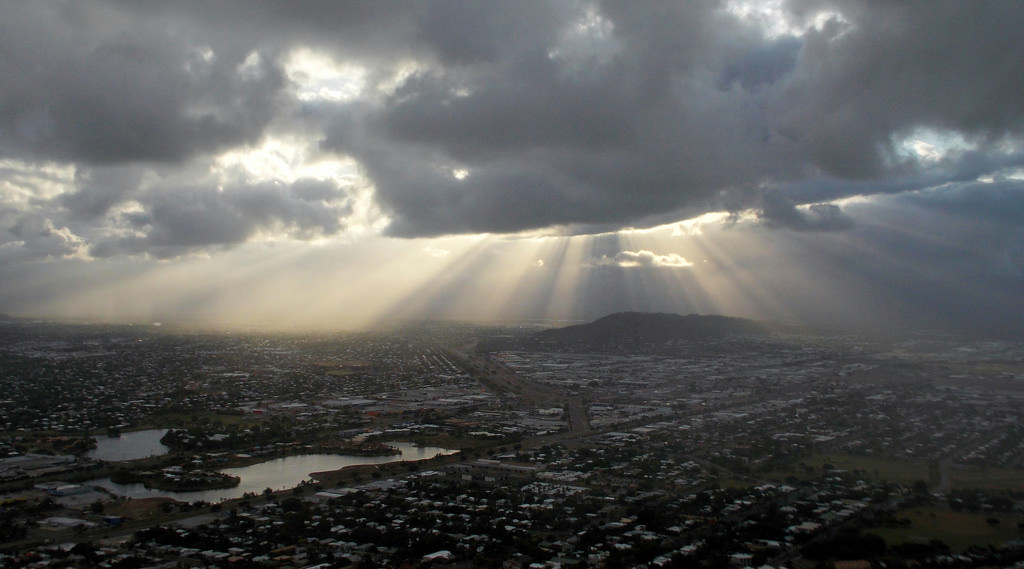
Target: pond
277,474
129,446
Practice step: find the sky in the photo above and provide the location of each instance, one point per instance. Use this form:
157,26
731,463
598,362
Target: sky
338,164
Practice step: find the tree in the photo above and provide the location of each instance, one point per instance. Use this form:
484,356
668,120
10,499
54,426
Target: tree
86,550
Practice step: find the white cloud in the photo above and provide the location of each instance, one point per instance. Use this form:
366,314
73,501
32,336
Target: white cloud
23,184
695,225
319,77
925,150
434,252
644,258
286,159
776,21
932,145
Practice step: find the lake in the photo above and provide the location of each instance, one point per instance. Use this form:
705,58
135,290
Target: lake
129,446
277,474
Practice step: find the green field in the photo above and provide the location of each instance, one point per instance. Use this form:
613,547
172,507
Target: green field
958,530
871,468
987,478
888,469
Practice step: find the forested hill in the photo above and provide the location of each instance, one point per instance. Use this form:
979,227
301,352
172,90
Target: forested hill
642,332
644,327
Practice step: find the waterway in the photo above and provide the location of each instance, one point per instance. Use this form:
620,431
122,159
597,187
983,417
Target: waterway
276,474
129,446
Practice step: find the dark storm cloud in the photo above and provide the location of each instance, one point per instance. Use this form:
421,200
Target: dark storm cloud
688,107
595,114
529,107
762,66
92,87
545,142
999,203
779,210
465,31
99,189
36,235
893,67
947,257
552,136
187,219
355,25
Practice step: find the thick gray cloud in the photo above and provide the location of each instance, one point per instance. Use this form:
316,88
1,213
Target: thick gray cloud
83,83
182,220
163,129
779,210
687,106
559,113
892,67
99,189
945,257
573,135
34,236
464,32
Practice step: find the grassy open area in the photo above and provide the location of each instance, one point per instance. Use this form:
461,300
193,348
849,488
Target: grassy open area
878,468
958,530
137,508
987,478
872,468
733,482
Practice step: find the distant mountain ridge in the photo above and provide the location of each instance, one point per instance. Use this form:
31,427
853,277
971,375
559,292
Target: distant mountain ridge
653,327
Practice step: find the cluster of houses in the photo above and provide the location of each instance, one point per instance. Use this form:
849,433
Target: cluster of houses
73,381
751,408
501,513
641,486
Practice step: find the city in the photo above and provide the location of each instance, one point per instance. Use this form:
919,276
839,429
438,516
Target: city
441,443
529,284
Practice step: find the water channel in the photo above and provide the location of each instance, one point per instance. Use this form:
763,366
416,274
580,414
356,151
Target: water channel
277,474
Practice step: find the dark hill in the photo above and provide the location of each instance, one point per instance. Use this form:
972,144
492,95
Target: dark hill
634,327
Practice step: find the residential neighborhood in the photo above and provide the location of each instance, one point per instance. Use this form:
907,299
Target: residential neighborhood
775,451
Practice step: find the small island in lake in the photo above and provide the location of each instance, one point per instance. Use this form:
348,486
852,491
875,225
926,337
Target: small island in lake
176,479
353,448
